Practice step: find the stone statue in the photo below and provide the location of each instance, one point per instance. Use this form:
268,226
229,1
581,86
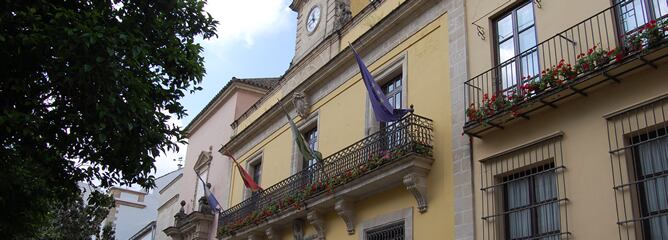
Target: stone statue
301,104
181,214
342,13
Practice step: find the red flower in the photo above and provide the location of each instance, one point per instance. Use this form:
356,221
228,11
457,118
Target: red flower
619,57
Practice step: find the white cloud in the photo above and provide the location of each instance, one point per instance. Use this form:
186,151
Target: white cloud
245,20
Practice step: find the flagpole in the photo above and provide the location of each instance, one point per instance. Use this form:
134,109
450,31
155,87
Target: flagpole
300,137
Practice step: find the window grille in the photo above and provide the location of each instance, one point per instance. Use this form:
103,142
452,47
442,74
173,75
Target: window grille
393,231
639,157
523,192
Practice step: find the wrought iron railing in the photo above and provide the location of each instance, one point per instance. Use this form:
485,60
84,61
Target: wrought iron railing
589,48
411,135
638,142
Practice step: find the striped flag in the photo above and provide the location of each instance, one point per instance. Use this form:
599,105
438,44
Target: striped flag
248,180
306,151
213,202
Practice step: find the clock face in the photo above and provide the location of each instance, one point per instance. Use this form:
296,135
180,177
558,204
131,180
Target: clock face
313,19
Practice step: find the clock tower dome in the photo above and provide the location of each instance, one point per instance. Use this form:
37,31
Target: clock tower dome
317,19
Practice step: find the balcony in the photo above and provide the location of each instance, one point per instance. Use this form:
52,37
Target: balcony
400,154
597,51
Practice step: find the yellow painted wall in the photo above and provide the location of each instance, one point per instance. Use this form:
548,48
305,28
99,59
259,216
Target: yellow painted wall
369,21
588,175
357,5
342,122
552,18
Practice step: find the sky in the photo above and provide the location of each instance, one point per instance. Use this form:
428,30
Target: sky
256,38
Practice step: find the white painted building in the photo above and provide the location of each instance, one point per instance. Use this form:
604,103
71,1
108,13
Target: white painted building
135,211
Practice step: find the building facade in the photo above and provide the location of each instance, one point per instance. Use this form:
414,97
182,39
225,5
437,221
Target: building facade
168,207
134,211
566,110
404,180
183,216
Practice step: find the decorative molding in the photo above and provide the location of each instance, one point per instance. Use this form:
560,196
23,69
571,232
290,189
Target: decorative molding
194,226
301,104
344,209
405,215
298,229
417,184
203,159
342,13
271,233
318,222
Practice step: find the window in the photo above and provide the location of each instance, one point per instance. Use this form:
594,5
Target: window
392,81
393,231
256,169
636,13
639,156
392,90
311,138
531,204
393,225
523,192
651,170
516,36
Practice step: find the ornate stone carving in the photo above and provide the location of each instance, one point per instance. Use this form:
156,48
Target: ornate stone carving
417,184
345,211
342,13
204,205
181,214
271,233
298,229
301,104
316,219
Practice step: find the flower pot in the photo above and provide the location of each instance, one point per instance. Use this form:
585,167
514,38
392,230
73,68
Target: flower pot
654,39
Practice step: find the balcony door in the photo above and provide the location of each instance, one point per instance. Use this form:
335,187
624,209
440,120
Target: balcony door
516,53
393,92
634,14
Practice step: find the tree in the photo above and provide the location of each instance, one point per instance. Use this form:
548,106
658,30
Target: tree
79,219
108,232
87,88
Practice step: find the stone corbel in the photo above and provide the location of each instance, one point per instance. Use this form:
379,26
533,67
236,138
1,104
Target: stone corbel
298,229
416,183
271,233
344,209
316,219
254,236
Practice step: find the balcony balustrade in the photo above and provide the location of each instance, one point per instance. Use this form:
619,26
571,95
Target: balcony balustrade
600,49
400,153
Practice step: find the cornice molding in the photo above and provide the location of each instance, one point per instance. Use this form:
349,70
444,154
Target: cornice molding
217,101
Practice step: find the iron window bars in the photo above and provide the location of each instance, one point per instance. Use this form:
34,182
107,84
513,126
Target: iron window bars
392,231
412,135
639,157
538,91
524,192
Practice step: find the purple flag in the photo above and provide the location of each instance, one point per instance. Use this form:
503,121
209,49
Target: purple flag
382,108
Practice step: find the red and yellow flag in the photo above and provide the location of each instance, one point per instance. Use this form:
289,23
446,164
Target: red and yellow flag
248,180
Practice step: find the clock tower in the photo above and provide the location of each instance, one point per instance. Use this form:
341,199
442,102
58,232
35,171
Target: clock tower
317,19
